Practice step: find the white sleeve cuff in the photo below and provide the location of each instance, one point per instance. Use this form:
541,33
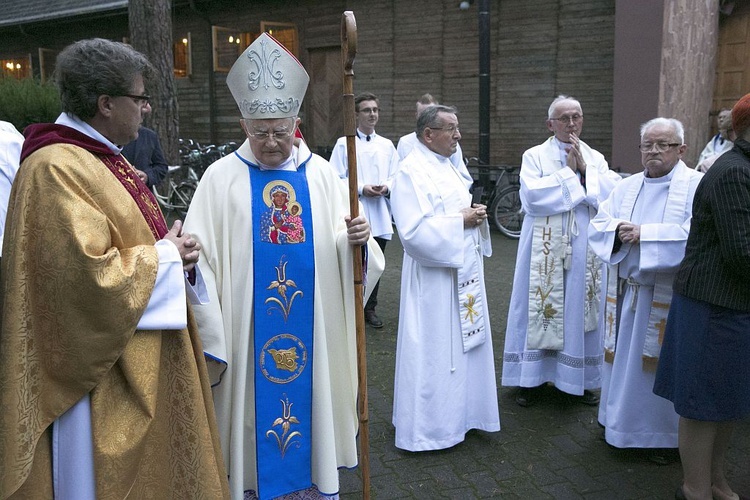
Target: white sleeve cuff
197,294
167,307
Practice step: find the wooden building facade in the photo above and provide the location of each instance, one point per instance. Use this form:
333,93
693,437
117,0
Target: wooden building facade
539,49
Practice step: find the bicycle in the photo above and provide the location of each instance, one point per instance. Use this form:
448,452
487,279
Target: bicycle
503,200
199,158
179,192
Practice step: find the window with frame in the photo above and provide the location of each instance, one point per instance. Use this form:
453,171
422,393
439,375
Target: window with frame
228,45
284,33
18,67
183,57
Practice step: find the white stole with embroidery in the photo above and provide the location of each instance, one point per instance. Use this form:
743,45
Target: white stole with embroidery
471,299
546,284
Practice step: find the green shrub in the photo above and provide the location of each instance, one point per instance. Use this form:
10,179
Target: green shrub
27,101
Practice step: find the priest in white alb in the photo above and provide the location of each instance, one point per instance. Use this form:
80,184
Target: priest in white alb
445,370
641,231
279,331
554,321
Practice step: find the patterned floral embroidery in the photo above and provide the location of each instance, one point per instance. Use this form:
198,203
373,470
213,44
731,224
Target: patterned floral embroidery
543,290
281,284
286,420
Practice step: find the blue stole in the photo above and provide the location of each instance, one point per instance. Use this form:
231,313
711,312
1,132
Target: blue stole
284,278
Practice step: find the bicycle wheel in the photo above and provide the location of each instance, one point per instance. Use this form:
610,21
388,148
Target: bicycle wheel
506,212
181,197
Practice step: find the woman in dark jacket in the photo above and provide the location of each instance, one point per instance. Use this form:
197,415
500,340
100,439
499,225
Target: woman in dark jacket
703,368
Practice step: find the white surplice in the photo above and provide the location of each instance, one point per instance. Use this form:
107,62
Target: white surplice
220,218
549,187
441,391
377,162
633,416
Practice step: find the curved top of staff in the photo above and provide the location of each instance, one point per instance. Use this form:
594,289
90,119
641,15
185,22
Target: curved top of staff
348,40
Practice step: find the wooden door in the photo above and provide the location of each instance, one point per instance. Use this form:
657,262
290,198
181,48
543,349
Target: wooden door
323,121
732,65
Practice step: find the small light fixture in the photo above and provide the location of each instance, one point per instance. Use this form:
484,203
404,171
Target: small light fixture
465,4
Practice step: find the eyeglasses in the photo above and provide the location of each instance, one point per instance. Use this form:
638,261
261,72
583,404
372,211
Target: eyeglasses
569,119
369,110
139,99
661,147
278,135
452,129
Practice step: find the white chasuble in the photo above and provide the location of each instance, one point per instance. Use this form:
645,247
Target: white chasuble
220,219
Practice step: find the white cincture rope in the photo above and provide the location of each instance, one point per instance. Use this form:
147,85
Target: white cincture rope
567,240
636,286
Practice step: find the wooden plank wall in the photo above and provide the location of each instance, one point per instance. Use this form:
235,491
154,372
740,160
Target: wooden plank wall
539,49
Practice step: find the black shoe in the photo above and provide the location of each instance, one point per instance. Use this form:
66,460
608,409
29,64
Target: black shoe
589,398
372,319
525,397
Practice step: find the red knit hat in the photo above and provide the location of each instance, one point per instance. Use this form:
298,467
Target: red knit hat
741,116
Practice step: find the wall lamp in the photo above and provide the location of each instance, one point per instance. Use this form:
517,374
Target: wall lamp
465,4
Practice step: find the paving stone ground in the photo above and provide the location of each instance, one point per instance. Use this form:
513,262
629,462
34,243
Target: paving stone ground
554,449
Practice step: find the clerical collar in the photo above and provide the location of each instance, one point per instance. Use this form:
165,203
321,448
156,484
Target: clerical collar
72,121
438,156
365,137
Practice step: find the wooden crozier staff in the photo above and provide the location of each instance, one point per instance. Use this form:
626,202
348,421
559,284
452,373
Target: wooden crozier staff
348,51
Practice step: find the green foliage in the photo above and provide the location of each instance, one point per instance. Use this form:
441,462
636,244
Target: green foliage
27,101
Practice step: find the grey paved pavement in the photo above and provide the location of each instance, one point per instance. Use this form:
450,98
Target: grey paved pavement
554,449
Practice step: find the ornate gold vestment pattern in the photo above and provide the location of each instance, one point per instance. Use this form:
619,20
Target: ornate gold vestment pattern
77,274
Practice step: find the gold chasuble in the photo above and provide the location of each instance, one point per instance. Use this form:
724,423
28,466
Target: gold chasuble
78,270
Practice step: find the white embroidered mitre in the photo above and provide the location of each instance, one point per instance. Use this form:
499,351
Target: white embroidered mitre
267,81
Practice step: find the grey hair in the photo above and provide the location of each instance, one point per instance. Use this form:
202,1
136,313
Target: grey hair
428,117
675,125
558,100
90,68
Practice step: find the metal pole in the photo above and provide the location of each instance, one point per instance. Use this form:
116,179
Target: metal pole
484,81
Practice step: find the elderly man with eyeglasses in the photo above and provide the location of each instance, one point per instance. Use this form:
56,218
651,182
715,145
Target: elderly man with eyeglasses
554,330
279,330
641,231
445,369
